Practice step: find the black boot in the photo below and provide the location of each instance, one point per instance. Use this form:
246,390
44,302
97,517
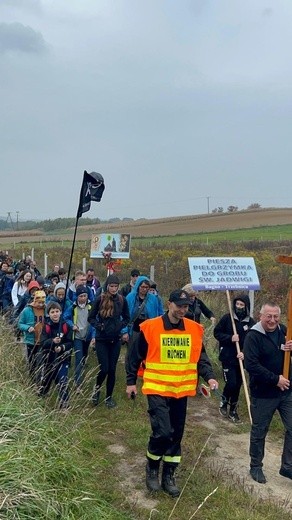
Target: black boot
96,395
168,481
152,471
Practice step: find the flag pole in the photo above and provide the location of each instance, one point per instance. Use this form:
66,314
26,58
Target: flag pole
70,261
92,189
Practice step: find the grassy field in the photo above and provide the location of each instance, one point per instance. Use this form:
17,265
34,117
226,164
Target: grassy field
270,224
268,233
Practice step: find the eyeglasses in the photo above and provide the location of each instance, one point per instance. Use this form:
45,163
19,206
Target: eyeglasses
134,275
144,287
10,272
272,316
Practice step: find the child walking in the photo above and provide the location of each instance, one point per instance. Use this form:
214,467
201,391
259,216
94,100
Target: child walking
31,322
76,317
56,345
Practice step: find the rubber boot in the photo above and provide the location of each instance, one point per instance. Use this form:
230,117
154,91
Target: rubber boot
168,481
152,471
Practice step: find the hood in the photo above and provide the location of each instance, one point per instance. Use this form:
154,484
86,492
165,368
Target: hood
72,287
59,285
259,328
32,284
245,299
140,279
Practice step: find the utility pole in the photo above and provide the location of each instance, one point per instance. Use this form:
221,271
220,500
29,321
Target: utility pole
9,219
17,220
208,206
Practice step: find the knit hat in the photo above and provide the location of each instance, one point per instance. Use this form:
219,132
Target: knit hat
135,272
189,289
179,297
112,278
59,285
32,284
39,297
40,280
81,289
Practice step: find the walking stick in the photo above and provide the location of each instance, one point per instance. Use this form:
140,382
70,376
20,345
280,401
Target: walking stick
238,352
285,259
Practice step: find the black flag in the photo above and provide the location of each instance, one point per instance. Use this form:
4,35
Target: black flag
92,189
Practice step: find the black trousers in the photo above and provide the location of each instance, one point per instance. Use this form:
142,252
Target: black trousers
233,381
167,418
262,411
107,355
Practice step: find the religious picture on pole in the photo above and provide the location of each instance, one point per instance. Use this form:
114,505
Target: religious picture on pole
116,244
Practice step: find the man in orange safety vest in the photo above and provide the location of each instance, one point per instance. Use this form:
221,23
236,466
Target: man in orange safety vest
172,347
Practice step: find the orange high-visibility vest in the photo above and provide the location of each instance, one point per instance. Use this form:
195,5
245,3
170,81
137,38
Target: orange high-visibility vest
172,357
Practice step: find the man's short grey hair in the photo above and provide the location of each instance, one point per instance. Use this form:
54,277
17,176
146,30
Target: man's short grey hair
270,304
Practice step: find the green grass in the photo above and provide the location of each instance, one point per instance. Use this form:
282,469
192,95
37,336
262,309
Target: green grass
89,463
268,233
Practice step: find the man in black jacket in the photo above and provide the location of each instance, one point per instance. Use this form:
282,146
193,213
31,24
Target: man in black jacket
264,348
129,286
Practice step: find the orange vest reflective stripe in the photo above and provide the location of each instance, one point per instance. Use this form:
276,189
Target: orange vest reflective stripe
172,357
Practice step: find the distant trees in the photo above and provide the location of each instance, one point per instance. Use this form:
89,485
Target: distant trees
218,210
65,223
232,209
254,205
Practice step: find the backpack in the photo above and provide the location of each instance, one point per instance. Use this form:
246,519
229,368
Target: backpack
65,328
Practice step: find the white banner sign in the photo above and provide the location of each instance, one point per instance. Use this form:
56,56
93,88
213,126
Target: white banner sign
220,274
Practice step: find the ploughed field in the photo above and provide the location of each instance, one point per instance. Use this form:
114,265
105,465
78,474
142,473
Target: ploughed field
168,226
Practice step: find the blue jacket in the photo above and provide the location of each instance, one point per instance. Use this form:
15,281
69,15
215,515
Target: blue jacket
70,317
151,308
26,320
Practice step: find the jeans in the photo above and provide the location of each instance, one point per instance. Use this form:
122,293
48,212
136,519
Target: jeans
58,372
81,352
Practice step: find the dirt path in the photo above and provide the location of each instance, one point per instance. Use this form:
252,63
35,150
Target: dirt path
230,460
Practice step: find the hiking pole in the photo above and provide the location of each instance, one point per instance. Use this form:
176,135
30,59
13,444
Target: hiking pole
285,259
238,352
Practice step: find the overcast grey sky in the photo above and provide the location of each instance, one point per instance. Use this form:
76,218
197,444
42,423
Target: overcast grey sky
173,101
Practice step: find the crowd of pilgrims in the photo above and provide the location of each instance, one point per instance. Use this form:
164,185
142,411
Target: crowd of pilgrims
58,320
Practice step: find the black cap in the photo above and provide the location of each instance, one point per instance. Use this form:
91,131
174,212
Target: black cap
135,272
180,297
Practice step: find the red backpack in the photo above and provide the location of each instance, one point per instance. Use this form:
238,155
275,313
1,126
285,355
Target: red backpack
64,328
